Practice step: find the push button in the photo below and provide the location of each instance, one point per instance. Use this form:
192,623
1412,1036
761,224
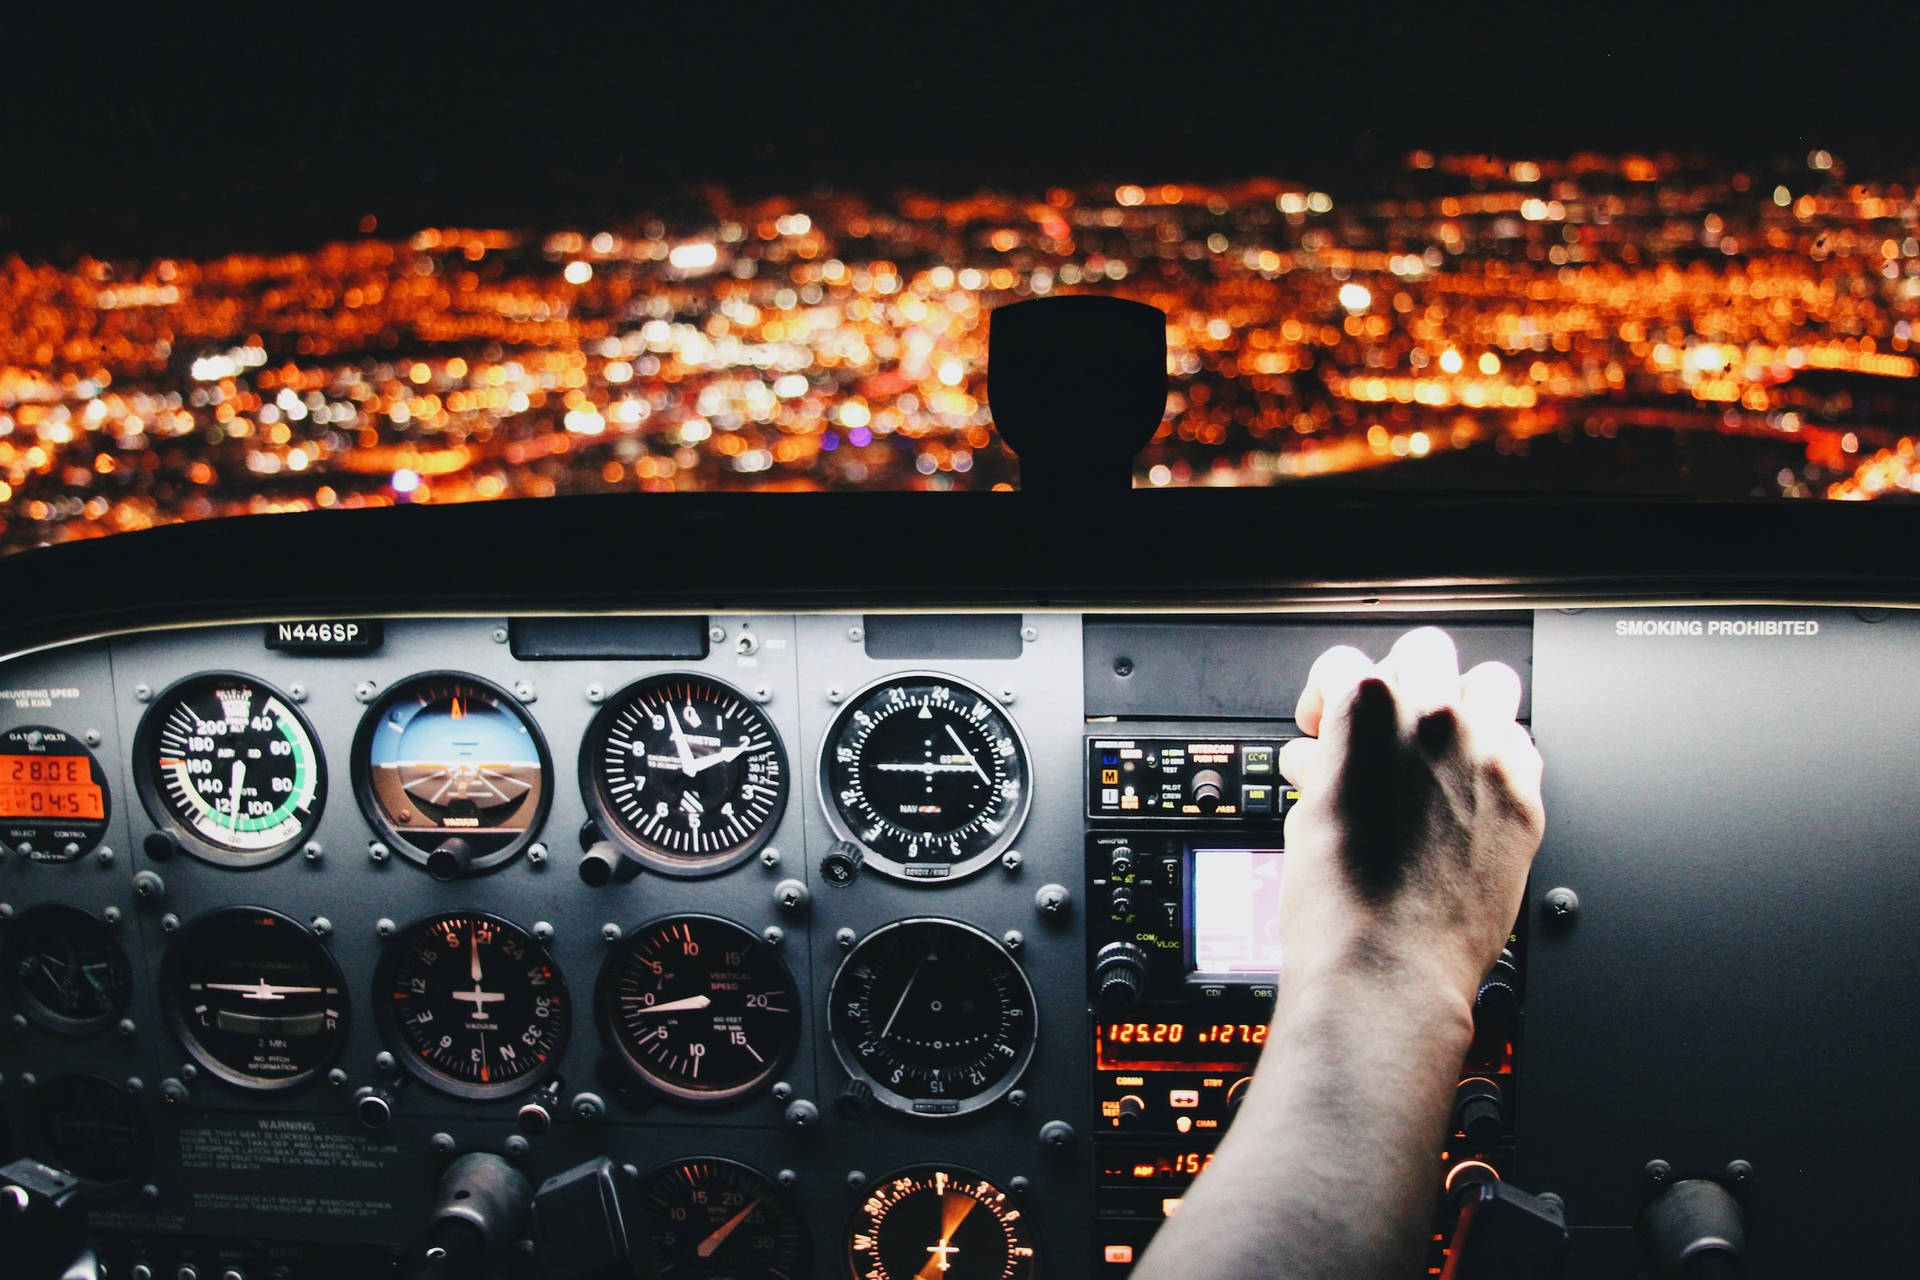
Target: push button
1256,761
1256,798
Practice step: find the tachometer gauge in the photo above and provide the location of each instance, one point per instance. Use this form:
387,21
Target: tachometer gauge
451,771
255,998
927,774
475,1006
65,970
686,772
699,1008
939,1220
712,1219
53,795
934,1015
229,767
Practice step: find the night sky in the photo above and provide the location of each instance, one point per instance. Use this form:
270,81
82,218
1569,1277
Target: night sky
178,132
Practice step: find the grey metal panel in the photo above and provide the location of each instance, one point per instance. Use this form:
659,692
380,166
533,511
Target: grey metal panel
1740,816
1173,668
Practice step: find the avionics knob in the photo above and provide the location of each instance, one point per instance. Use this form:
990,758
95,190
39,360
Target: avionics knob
1479,1111
842,863
1207,788
854,1101
1132,1108
1498,999
1237,1093
1121,861
482,1207
1466,1175
1696,1231
1119,975
451,860
599,864
1121,901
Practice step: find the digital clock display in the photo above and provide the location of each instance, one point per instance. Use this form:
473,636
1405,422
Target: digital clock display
1210,1045
49,787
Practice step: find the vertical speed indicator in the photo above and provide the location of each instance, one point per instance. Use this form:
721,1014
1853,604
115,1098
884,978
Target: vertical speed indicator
928,774
686,772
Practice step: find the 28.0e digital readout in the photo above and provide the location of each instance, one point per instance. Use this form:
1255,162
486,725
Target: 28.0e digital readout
49,787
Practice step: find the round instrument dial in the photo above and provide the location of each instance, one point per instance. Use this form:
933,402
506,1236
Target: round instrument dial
66,971
699,1008
934,1015
54,800
939,1220
714,1219
686,772
476,1006
928,774
92,1128
227,765
451,771
255,998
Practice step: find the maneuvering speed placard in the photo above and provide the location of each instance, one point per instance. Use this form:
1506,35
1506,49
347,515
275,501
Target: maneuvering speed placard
928,774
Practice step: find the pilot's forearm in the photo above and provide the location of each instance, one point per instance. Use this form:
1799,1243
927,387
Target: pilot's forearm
1328,1171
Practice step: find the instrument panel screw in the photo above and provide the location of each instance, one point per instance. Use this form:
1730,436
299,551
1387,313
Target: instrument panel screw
1011,859
1562,903
6,911
110,914
149,1192
844,937
378,852
1013,939
384,927
834,694
1019,1185
523,690
169,923
1055,1135
517,1146
716,634
801,1114
441,1143
1738,1171
92,736
781,1090
536,855
587,1107
364,691
173,1092
105,855
147,886
856,1180
337,1078
297,691
1657,1173
499,635
786,1178
128,1029
189,1072
322,926
609,933
769,857
28,1080
1052,899
1017,1098
596,694
384,1063
763,695
790,896
542,931
1123,667
774,935
18,1022
313,851
1006,697
143,693
856,634
1029,634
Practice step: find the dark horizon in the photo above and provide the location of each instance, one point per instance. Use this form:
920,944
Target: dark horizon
279,132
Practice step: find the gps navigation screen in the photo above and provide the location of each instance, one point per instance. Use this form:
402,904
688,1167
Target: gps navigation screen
1236,910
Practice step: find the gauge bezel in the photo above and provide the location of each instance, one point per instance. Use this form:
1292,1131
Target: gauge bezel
779,1196
665,861
394,951
98,825
903,1103
177,1021
36,1011
362,771
605,1016
190,840
46,1108
886,864
959,1173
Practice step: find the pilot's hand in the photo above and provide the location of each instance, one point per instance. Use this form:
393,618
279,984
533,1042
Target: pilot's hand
1419,814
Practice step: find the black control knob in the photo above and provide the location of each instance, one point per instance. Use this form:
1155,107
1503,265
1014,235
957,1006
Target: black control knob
453,859
1498,1000
373,1107
1479,1111
1119,976
482,1208
1696,1231
1207,788
854,1101
1133,1109
1237,1093
1120,900
1465,1176
599,864
1120,861
842,863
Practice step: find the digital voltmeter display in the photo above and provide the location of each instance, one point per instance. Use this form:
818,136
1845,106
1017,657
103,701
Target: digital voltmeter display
49,787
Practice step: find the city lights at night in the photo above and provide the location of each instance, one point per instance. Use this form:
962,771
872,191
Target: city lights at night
1758,325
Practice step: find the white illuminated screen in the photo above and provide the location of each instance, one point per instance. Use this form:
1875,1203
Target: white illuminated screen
1236,910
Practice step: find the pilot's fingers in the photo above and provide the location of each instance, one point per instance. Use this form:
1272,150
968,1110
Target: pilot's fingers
1424,668
1301,760
1490,696
1330,683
